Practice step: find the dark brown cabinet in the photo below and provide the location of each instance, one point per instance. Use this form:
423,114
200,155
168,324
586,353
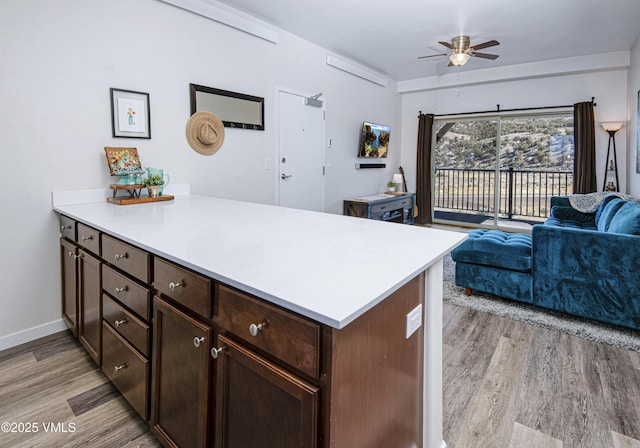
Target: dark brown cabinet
261,404
181,377
126,325
90,292
208,364
69,283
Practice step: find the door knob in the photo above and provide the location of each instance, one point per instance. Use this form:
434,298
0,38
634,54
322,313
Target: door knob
286,176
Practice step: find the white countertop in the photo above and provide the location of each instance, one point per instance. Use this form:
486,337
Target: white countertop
330,268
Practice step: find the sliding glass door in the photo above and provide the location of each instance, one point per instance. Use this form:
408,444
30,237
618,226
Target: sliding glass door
501,171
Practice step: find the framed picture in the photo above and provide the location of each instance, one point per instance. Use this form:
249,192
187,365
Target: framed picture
638,135
130,114
123,161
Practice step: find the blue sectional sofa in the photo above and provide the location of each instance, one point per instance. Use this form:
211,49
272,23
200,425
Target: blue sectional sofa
585,264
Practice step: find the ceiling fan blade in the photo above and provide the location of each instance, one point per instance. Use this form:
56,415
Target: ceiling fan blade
432,56
485,55
491,43
447,44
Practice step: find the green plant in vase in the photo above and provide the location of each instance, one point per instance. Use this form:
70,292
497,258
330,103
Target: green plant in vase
153,184
391,185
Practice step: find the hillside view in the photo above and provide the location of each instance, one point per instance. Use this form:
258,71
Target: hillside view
542,143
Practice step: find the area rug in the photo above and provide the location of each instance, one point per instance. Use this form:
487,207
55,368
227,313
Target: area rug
584,328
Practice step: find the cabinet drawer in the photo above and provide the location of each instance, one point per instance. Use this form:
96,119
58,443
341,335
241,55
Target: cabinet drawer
185,287
124,256
388,206
89,238
68,227
126,324
127,291
127,370
290,338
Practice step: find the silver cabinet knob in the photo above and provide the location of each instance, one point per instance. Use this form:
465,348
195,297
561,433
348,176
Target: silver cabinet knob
119,257
87,238
173,286
117,369
117,323
123,289
215,352
63,228
254,329
197,341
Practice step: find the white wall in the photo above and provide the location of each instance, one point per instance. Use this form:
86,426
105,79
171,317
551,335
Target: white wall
608,88
633,155
59,60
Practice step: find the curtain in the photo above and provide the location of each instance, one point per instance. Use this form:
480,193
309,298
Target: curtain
584,162
424,169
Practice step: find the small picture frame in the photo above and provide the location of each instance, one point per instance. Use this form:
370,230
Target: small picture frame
130,114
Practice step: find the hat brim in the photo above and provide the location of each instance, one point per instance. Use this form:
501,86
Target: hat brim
193,126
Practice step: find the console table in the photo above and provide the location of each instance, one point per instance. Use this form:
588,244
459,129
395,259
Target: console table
383,207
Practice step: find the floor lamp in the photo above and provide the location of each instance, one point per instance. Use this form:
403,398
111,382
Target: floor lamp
611,164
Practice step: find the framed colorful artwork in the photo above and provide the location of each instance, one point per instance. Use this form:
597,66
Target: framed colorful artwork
130,114
123,161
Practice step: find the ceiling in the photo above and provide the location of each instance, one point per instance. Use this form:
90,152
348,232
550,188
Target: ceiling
389,35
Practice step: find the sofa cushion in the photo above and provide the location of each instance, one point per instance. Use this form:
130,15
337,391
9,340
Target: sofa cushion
495,248
626,220
567,216
607,211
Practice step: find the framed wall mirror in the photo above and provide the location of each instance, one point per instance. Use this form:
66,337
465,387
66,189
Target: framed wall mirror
235,110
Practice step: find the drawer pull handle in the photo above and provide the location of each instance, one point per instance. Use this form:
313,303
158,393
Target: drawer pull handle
197,341
70,254
254,329
124,289
117,369
117,323
87,238
63,228
119,257
215,352
173,286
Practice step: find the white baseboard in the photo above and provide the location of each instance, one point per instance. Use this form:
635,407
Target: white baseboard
31,334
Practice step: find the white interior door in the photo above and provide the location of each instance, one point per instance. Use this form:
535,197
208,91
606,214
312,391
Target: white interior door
302,153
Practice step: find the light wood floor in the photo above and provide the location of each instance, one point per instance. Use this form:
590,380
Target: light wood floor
506,385
509,384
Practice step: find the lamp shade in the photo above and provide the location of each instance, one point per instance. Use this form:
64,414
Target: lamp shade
397,179
612,125
459,59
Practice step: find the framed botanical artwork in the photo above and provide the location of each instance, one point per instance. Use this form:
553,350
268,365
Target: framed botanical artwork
123,161
130,114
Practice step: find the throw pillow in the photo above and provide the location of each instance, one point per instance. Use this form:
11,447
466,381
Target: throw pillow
626,220
607,211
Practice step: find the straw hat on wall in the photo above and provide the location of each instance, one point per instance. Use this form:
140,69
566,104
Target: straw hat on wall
205,132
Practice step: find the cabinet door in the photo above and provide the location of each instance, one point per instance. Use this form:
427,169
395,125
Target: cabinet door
181,377
69,282
261,404
90,329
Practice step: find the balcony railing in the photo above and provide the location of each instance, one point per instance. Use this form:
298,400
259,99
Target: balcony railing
524,194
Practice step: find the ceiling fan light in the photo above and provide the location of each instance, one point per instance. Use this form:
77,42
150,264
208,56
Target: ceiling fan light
459,59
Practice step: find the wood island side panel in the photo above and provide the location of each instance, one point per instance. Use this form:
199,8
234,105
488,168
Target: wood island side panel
376,376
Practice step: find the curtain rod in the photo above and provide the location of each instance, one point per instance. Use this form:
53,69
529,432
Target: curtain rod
508,110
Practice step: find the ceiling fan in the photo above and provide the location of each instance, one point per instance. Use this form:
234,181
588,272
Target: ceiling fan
462,51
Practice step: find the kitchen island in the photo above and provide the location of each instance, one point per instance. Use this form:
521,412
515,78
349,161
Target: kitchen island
366,296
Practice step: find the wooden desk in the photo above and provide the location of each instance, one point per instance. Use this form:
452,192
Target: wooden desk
383,207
